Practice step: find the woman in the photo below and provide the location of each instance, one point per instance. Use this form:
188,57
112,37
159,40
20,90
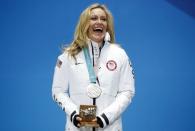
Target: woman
94,71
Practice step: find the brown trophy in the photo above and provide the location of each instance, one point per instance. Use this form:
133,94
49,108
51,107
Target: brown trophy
88,113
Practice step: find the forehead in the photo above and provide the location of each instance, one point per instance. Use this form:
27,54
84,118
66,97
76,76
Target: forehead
98,11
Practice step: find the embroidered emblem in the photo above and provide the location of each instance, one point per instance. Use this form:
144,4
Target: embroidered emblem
111,65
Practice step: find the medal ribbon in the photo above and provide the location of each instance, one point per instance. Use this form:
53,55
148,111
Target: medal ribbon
91,72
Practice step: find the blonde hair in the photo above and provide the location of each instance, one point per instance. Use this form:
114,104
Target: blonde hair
80,35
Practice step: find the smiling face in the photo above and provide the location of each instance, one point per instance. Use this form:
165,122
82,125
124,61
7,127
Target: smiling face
97,25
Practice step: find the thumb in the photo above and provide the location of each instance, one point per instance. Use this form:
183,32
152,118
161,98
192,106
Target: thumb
94,120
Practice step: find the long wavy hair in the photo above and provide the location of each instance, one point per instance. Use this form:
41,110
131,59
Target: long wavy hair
81,31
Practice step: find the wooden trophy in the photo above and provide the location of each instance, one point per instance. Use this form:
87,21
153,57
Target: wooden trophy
88,113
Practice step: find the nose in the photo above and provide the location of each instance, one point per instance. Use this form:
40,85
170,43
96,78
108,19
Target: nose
99,20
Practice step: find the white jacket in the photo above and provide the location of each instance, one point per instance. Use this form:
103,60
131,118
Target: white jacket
115,75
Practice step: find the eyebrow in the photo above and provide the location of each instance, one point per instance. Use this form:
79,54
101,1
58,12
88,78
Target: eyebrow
94,15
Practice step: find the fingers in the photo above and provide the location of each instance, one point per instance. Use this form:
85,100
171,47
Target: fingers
78,125
94,120
78,118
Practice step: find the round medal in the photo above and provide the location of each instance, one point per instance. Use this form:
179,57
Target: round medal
93,90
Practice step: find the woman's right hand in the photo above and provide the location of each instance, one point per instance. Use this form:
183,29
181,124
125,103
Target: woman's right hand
76,121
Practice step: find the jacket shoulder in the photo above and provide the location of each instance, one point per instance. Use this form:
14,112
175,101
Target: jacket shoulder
116,48
64,57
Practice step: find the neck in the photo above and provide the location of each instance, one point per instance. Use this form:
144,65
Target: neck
98,43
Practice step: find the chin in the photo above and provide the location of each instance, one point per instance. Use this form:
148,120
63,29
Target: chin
99,38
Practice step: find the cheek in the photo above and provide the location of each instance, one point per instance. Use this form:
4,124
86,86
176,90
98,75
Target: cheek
91,23
90,29
106,25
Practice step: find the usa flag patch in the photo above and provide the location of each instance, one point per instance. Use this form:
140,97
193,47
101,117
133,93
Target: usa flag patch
111,65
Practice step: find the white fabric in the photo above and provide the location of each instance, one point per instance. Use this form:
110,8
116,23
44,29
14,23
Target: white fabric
107,37
116,83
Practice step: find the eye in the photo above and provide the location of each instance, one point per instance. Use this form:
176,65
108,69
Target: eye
93,18
103,19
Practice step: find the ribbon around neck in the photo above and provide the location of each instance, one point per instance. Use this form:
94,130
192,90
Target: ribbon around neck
91,72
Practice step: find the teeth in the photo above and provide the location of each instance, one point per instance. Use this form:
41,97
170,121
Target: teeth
98,29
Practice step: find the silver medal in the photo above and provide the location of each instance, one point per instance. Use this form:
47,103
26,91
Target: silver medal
93,91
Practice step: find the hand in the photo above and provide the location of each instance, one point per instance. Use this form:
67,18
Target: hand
76,121
99,122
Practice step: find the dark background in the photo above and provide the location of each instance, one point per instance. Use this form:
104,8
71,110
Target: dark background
158,35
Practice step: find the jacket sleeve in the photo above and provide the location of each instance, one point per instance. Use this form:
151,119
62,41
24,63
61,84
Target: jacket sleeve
60,86
124,96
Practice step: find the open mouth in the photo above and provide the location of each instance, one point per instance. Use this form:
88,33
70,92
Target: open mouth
98,30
